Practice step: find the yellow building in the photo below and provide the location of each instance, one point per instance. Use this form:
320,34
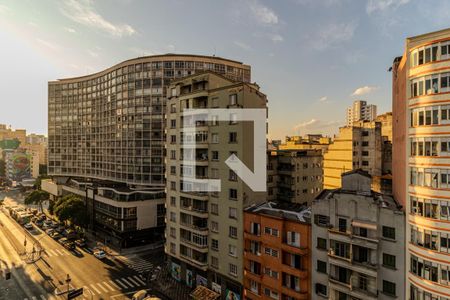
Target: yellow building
6,133
310,141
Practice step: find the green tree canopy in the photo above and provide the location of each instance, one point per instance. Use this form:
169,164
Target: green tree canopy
37,198
71,208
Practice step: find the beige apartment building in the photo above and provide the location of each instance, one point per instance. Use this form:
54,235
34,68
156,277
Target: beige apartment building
294,175
7,133
204,230
358,237
356,147
310,141
421,159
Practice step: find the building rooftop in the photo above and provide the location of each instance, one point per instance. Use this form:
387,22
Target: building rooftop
284,210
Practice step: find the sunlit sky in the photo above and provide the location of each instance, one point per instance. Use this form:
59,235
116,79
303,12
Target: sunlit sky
311,57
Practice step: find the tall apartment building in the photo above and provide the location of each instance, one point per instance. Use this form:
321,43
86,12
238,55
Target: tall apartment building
355,147
310,141
204,239
358,237
360,111
277,253
106,140
294,175
421,159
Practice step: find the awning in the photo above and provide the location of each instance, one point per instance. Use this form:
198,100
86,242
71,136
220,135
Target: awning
364,224
203,293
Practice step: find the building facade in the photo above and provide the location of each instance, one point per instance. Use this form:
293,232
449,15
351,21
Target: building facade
7,133
277,251
310,141
204,239
358,146
360,111
421,148
358,237
106,140
294,175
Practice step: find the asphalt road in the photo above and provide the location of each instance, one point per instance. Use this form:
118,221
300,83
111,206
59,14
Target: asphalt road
112,278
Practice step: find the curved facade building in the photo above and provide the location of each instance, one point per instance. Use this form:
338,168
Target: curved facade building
110,125
421,90
107,141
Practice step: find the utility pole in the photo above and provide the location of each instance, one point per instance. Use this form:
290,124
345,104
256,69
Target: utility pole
68,279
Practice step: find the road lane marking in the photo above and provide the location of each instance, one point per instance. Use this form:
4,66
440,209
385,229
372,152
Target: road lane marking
95,289
90,291
50,252
131,279
121,284
138,279
114,284
127,282
60,251
108,286
101,286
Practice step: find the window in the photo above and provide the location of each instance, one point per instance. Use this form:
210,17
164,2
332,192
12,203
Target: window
214,262
232,250
232,137
388,260
232,194
173,139
233,119
233,99
173,232
321,243
232,232
173,170
271,231
214,208
255,228
293,238
214,226
232,176
173,248
233,269
173,201
271,251
321,289
214,138
232,213
173,216
214,244
321,266
215,155
389,232
342,225
388,287
173,123
173,154
271,273
173,185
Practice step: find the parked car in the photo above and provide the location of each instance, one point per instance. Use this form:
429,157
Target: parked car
81,243
39,223
54,224
63,240
60,229
69,246
70,234
100,254
28,226
49,231
55,235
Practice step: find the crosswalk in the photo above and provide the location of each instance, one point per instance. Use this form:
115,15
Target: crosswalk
56,252
129,283
136,263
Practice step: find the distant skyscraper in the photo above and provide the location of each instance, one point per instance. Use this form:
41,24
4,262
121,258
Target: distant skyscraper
361,111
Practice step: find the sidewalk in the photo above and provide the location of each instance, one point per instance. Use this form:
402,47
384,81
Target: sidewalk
165,284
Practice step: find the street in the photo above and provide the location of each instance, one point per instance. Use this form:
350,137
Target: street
116,277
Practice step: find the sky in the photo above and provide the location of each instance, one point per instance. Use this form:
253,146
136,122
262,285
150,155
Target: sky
312,58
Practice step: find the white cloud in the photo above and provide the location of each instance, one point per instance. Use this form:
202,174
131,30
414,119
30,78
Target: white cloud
383,5
92,53
47,44
333,34
262,14
243,45
70,30
323,99
83,12
317,125
276,38
4,9
364,90
170,48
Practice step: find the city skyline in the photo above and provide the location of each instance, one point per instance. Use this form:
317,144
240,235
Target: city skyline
59,39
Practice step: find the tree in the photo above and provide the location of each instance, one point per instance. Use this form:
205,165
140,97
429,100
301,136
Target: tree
71,208
37,198
37,183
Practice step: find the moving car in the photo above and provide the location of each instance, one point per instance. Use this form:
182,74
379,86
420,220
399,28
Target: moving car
100,254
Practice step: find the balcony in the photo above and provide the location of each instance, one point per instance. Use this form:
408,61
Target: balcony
193,261
202,229
198,247
294,294
295,250
255,277
250,236
300,273
252,256
339,283
200,211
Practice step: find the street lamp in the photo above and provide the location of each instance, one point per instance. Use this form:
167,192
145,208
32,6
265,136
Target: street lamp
68,280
